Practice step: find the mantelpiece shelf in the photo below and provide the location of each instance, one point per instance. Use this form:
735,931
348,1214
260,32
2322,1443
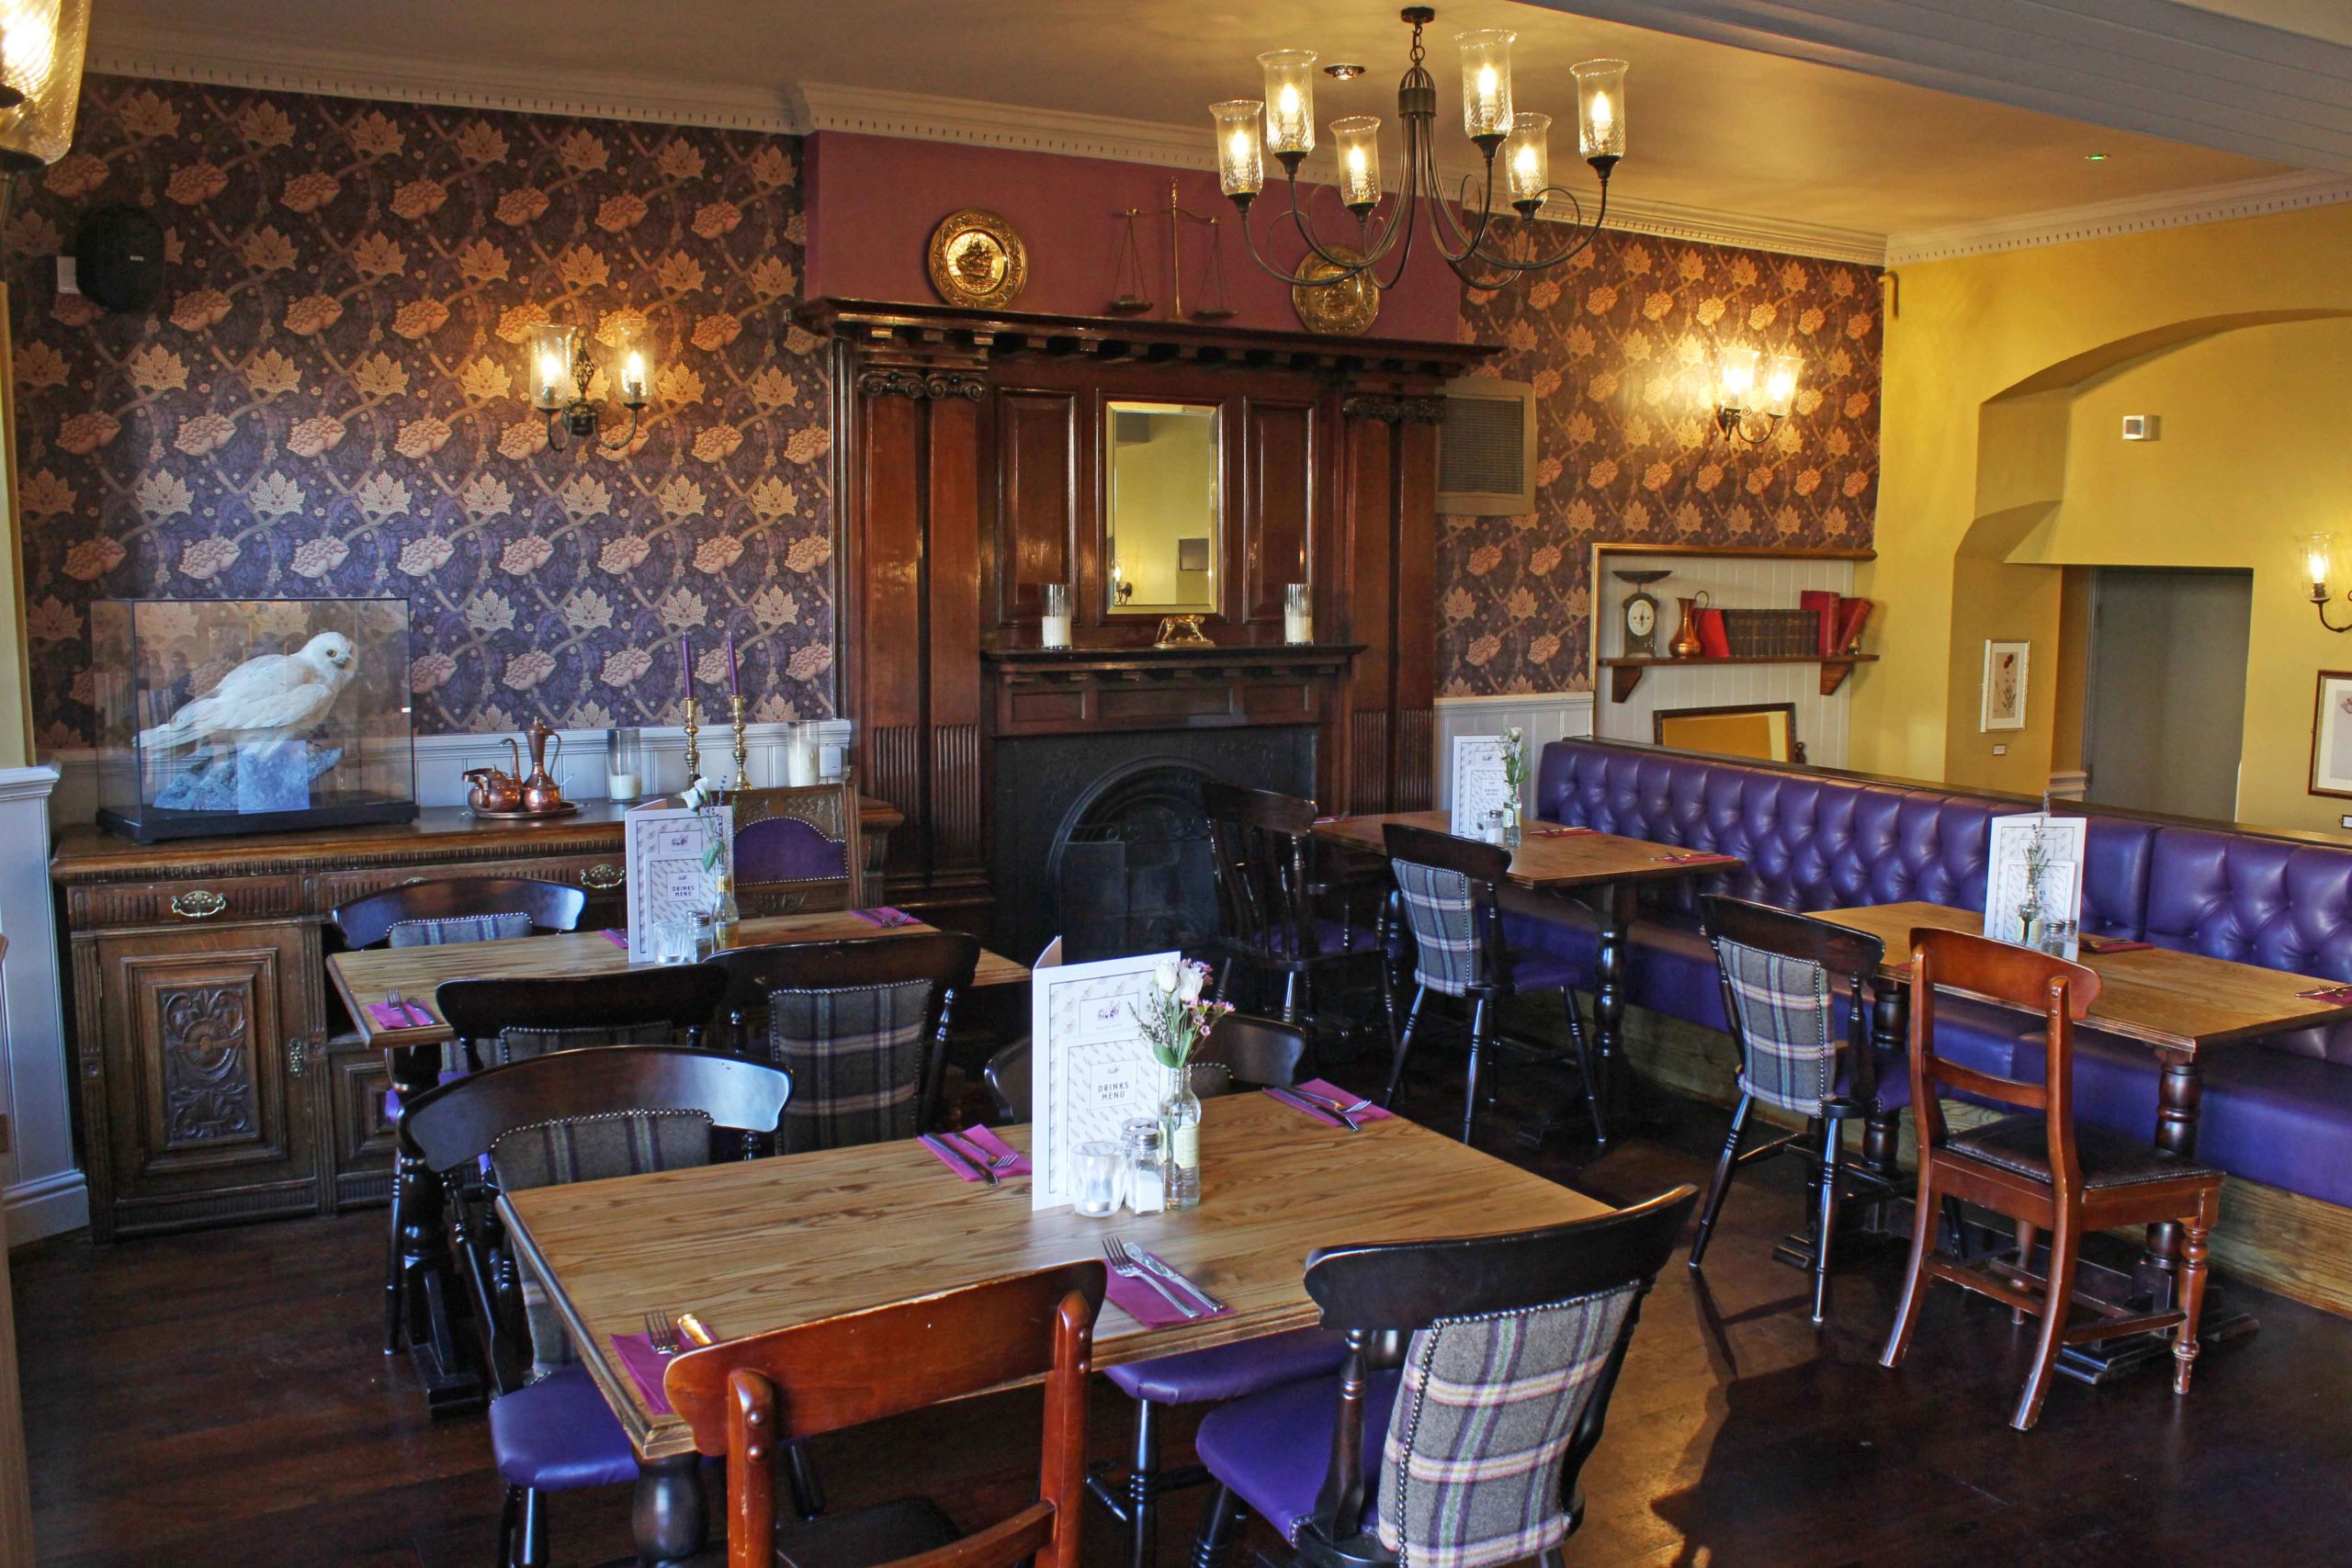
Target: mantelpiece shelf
1625,673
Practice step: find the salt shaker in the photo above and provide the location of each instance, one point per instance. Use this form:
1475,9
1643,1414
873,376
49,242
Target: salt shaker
1147,1166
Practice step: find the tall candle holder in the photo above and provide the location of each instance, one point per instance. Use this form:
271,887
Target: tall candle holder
742,746
694,752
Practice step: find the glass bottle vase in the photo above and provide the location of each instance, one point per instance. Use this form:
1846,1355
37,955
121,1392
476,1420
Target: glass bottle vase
1180,1119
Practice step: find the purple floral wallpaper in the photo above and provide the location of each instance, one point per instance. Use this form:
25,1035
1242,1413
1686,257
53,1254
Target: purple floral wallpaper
1619,346
327,399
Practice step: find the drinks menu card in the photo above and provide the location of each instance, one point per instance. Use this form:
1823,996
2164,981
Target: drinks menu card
1090,1069
2033,881
663,851
1479,785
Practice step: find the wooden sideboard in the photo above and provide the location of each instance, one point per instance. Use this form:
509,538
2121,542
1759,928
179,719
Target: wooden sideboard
218,1081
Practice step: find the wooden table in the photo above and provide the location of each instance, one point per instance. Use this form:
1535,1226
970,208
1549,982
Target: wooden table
766,1244
1602,871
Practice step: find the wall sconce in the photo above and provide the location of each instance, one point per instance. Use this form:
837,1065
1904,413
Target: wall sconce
2319,556
561,373
41,44
1753,394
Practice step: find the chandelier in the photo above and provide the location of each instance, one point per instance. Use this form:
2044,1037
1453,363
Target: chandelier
1283,123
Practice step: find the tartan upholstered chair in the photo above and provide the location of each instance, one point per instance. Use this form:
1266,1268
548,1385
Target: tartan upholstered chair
861,1025
578,1115
460,908
1242,1054
1791,987
1447,891
1462,1448
797,849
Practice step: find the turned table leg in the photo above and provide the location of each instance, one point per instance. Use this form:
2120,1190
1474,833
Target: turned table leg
2179,1096
669,1515
1612,906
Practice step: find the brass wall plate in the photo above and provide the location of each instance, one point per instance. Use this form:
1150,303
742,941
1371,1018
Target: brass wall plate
1336,310
977,260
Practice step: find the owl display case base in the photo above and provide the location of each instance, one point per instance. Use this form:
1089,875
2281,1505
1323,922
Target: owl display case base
162,823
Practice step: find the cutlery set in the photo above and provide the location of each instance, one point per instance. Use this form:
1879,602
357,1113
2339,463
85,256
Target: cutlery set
965,1154
1132,1262
1307,1099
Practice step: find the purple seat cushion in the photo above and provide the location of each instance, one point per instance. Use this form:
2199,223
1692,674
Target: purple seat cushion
558,1434
785,849
1272,1447
1228,1371
392,1095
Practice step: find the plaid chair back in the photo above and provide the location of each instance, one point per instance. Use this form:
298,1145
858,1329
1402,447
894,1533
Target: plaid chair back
1789,1044
587,1148
1485,1413
857,1058
449,928
521,1044
1443,914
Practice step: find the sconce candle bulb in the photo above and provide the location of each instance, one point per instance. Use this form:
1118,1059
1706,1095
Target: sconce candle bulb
1754,394
2318,551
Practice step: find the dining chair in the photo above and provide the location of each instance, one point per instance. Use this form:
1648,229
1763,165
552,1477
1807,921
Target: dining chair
420,914
2037,1168
1477,1377
742,1397
580,1115
1447,893
861,1024
1781,975
513,1016
1283,912
796,848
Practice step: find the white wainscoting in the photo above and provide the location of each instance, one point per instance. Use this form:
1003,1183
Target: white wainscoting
44,1190
1544,716
1731,583
442,760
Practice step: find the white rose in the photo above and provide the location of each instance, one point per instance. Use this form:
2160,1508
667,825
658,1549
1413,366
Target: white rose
1164,974
1188,989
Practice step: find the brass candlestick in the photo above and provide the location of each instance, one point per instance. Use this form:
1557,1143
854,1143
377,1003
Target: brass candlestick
693,752
742,746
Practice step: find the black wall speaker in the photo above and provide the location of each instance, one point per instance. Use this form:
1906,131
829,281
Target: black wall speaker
119,257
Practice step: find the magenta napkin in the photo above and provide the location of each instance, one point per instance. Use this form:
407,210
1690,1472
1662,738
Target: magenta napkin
1139,1300
979,1138
2334,996
618,939
408,1015
1322,821
884,917
2097,945
645,1365
1330,1092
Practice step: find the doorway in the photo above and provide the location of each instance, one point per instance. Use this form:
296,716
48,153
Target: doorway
2165,699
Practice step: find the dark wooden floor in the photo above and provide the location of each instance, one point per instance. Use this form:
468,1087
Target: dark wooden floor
221,1399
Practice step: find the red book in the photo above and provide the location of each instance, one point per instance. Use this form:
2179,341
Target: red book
1851,613
1824,604
1715,639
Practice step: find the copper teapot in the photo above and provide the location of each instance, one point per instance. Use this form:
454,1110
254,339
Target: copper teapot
496,789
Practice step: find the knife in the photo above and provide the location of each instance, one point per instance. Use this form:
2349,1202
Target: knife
1292,1099
1152,1262
961,1144
954,1160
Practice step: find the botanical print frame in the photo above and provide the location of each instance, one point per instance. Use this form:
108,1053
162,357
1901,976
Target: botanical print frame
2331,734
2002,692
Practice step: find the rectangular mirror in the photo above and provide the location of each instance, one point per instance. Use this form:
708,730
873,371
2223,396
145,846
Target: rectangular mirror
1160,538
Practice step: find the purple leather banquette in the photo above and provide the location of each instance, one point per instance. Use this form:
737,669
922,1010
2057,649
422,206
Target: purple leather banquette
2277,1110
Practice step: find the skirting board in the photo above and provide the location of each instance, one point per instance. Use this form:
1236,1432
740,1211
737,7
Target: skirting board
50,1206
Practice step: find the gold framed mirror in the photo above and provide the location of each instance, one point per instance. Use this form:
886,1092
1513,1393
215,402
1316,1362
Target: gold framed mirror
1163,516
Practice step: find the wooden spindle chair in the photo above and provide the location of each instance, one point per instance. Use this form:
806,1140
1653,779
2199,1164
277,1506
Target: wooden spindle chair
1283,911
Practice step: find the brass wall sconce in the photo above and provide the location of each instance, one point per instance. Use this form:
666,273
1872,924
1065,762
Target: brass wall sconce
562,373
1754,394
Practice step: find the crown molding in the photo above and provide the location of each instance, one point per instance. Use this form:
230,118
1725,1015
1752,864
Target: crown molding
1707,226
276,65
2106,219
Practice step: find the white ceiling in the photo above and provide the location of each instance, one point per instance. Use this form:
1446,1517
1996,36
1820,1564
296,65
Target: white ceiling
1714,127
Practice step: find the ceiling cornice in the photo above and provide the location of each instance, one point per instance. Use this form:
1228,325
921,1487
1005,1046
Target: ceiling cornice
2106,219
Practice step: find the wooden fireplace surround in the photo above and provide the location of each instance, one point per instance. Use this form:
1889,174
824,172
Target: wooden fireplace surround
968,473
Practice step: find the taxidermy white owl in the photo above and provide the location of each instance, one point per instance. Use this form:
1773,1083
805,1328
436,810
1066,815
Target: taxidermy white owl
267,698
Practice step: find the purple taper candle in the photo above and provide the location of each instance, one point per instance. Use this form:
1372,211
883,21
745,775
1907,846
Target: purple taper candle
686,662
734,677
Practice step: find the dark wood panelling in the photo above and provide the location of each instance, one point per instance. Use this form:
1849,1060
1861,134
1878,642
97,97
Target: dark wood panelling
1413,699
1281,515
1037,506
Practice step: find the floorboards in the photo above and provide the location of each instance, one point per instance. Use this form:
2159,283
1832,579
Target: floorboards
221,1399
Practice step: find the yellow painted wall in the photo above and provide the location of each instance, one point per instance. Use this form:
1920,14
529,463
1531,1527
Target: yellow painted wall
2004,377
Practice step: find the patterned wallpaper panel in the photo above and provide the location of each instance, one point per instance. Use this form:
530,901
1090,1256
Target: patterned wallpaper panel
1620,346
327,399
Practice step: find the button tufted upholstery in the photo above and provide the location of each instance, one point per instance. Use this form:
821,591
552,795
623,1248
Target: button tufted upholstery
2271,1109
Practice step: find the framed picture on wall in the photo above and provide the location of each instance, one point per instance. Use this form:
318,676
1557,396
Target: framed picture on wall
2331,734
2004,698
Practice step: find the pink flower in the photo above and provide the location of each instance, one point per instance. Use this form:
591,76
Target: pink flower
319,433
75,176
420,317
808,444
623,555
716,218
93,559
208,559
719,442
429,672
717,332
314,559
618,214
521,439
1483,648
421,437
526,671
308,193
809,554
715,555
808,663
525,555
83,433
206,433
623,667
424,557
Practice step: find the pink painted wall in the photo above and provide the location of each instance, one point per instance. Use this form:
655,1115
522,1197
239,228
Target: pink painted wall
874,200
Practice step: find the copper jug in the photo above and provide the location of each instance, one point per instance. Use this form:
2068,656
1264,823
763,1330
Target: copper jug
1685,643
494,789
541,792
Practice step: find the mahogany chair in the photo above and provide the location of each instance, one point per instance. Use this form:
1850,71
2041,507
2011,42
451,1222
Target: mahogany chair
743,1397
513,1016
1242,1054
1477,1378
797,849
462,908
1282,913
2037,1168
1447,891
579,1115
861,1024
1781,975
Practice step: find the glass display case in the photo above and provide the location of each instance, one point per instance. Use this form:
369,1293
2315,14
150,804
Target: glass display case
250,716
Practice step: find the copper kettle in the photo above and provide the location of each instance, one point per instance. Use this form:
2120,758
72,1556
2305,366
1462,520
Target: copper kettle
496,789
541,792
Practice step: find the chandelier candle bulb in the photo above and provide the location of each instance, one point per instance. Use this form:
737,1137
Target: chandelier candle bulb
1600,112
1357,136
1486,85
1527,161
1240,148
1290,102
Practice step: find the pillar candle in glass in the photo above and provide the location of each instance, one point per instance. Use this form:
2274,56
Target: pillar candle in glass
1053,600
799,755
1298,613
624,765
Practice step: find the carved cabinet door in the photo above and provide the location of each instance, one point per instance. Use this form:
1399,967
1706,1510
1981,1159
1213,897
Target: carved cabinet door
208,1087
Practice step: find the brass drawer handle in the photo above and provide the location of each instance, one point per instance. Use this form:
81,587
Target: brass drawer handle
602,877
198,904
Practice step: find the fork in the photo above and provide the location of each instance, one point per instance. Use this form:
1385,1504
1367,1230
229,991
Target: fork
1124,1265
661,1329
979,1154
401,1009
1327,1102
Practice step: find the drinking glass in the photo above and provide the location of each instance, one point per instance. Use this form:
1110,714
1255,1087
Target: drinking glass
674,941
1097,1194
